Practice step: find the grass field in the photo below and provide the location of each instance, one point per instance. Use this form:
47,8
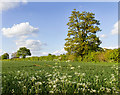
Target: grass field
30,77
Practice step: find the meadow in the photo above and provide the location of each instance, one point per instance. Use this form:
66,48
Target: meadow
44,77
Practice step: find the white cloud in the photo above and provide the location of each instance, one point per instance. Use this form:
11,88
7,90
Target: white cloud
9,4
58,52
39,53
115,28
102,36
111,47
44,53
21,29
33,45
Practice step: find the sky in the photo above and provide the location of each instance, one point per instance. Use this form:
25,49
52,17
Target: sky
41,26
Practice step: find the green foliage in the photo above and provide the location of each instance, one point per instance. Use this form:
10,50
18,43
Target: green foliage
89,57
63,57
23,51
5,56
82,34
79,59
112,55
50,57
72,57
108,55
104,55
100,56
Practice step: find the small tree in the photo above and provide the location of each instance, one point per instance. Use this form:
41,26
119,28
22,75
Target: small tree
14,55
23,51
5,56
82,38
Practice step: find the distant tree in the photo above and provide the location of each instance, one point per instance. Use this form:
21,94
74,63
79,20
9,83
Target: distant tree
50,57
0,57
63,57
49,54
23,52
5,56
82,29
14,55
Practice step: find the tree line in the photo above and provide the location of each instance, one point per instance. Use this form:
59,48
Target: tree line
107,55
21,53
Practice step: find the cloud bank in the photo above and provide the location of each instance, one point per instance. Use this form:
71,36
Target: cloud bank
22,32
111,47
58,52
9,4
21,29
33,45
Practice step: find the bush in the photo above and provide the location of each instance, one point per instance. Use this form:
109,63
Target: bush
94,57
79,59
89,57
71,58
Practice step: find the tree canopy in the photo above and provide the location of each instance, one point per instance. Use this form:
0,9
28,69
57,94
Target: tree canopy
81,37
5,56
23,52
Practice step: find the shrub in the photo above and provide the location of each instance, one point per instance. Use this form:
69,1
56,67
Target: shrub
79,59
112,55
71,58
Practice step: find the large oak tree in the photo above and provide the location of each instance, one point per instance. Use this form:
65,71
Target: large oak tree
81,37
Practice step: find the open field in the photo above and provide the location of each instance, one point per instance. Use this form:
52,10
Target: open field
59,77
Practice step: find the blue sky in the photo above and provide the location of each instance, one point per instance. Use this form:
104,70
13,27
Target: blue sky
49,21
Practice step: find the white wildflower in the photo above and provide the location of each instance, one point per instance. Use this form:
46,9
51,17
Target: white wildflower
51,91
38,83
54,86
72,68
33,78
